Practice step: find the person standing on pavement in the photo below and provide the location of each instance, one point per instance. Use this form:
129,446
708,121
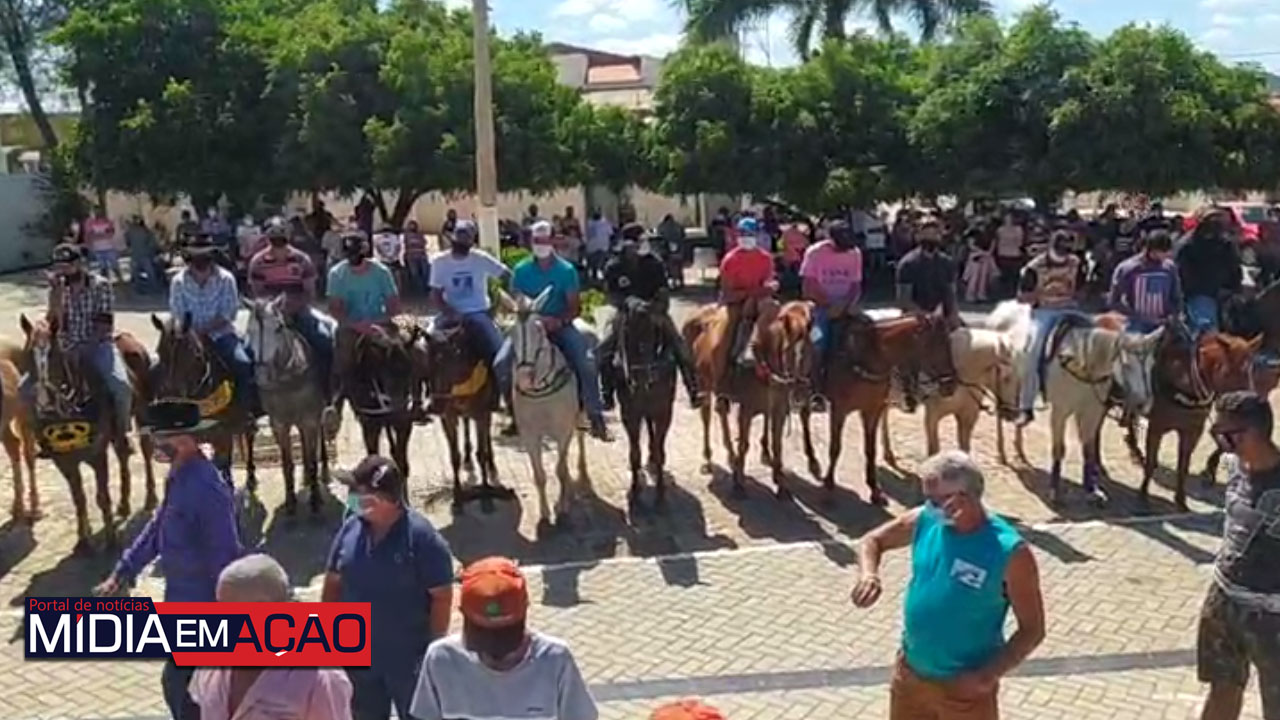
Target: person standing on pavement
968,568
497,667
388,555
1240,619
100,236
143,249
193,532
254,693
599,240
416,260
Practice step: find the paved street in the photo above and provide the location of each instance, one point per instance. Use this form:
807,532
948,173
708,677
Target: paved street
742,599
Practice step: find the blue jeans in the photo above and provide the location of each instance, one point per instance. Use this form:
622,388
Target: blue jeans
107,262
173,683
821,323
375,689
109,365
1042,321
319,336
142,271
482,324
235,353
419,269
574,346
1202,314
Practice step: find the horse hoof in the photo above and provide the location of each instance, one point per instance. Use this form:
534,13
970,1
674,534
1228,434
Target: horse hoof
455,507
707,469
815,470
18,513
151,503
1097,498
123,510
468,465
738,491
782,494
83,548
878,499
543,528
291,506
1181,504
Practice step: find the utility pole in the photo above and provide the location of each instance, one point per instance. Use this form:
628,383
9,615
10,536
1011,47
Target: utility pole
486,158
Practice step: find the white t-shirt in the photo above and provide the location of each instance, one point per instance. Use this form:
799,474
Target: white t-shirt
465,280
599,234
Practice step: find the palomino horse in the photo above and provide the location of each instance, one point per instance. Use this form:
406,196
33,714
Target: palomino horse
544,402
464,390
984,372
1082,362
862,363
188,368
75,420
18,438
380,383
646,387
285,369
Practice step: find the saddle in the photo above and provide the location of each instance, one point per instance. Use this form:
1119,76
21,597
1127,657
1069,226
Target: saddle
1053,347
70,423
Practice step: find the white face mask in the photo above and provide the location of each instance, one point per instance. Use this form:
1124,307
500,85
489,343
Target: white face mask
748,242
644,248
542,252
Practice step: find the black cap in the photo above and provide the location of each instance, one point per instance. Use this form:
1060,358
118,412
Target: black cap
276,228
352,242
67,253
173,417
376,474
633,231
200,245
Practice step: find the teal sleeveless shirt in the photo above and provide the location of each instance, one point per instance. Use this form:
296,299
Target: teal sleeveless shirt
956,604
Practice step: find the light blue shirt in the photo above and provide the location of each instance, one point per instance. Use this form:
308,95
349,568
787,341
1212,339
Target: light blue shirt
216,298
530,279
364,295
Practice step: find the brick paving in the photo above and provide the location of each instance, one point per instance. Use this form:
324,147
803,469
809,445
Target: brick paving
1113,588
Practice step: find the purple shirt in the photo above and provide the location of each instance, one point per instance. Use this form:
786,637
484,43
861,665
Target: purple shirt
193,532
1146,289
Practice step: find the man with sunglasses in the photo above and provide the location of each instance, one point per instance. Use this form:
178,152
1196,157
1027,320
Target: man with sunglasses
1240,619
968,569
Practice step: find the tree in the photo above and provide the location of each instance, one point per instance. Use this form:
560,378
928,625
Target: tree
23,26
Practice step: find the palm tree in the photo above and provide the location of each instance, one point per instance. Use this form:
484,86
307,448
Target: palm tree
711,20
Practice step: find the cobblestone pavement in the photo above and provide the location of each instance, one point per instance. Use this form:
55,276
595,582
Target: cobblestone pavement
723,614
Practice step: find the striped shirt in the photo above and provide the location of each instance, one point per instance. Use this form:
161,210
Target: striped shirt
216,297
1146,289
83,305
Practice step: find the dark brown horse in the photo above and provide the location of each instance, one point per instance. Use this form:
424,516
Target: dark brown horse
646,387
862,363
75,421
383,376
188,368
463,391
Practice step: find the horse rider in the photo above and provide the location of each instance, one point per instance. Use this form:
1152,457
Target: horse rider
363,299
637,279
460,291
546,271
205,294
831,273
925,283
746,278
82,304
281,269
1049,284
1145,288
1209,267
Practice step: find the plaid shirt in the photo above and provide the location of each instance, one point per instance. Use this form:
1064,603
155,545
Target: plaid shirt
216,298
82,306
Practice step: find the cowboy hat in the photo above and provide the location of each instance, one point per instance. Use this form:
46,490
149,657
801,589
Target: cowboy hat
173,417
201,244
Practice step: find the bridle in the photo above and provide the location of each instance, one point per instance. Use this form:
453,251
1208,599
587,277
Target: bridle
558,372
639,375
207,382
293,367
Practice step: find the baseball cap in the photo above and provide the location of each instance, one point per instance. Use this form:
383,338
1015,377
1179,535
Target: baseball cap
494,593
748,225
464,230
687,710
67,253
375,474
633,231
540,230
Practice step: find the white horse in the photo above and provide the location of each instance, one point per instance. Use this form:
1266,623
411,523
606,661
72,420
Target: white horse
545,404
1077,383
985,372
291,395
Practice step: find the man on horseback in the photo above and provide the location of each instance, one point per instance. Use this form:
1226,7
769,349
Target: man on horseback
831,273
746,278
637,280
81,304
925,284
281,269
460,290
1145,287
545,271
1049,285
363,299
205,294
1209,266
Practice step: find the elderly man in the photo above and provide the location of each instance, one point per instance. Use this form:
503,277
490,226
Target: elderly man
254,693
968,568
1240,621
497,667
388,555
193,532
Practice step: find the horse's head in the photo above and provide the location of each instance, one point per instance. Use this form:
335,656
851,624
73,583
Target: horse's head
933,345
51,367
1227,362
1133,356
788,346
184,365
986,358
642,344
533,356
277,348
451,355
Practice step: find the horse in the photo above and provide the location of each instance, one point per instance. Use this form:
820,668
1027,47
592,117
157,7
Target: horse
75,419
188,368
381,379
1082,362
544,401
862,364
19,443
292,397
984,371
646,391
464,389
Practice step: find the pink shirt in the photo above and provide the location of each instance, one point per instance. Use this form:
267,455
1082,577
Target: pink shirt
276,694
100,233
839,274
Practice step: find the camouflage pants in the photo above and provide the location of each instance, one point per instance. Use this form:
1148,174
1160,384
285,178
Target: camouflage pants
1233,636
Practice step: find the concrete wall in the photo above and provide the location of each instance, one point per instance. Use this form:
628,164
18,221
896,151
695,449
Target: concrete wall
20,207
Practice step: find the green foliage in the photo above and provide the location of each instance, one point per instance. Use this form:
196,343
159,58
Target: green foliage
513,256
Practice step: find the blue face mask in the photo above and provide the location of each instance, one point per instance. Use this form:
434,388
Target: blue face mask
937,514
353,504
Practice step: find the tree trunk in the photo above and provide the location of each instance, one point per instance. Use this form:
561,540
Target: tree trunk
379,202
404,203
15,42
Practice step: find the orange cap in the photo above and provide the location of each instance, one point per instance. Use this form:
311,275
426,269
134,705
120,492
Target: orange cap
687,710
494,593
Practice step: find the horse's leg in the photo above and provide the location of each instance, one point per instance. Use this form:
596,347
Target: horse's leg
1018,446
565,501
13,448
467,451
658,429
744,444
1003,458
75,483
28,438
766,451
1058,432
871,418
250,469
371,430
704,411
631,423
1187,438
932,419
283,435
726,437
966,420
312,439
1089,430
889,457
533,448
102,479
484,448
774,420
148,447
834,445
121,447
449,420
1130,422
815,468
323,448
1155,433
400,432
1210,473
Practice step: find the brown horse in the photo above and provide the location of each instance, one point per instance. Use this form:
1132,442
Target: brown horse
863,360
188,368
19,439
75,421
381,379
646,388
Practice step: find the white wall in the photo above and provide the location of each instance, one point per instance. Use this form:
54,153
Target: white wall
20,206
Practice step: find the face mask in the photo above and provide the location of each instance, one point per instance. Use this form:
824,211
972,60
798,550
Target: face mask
201,263
494,644
164,452
930,245
278,242
353,504
461,248
644,248
937,514
542,252
1058,252
355,257
748,242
